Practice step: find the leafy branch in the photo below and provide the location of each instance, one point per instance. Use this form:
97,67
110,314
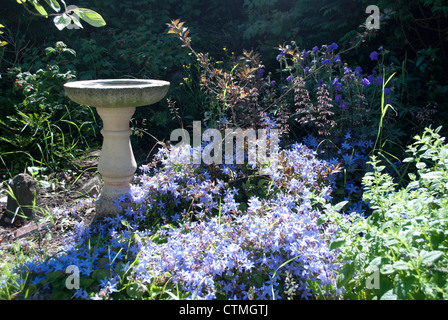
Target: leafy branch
69,18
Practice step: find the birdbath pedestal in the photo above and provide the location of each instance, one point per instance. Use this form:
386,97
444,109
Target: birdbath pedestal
115,101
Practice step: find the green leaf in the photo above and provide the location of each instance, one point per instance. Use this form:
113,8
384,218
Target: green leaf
429,257
44,184
100,274
432,175
76,21
340,205
40,9
400,265
54,5
337,244
90,16
85,283
389,295
386,269
345,275
62,21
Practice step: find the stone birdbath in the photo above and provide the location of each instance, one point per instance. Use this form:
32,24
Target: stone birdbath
115,101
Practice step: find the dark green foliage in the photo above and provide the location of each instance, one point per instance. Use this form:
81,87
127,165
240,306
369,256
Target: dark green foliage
42,126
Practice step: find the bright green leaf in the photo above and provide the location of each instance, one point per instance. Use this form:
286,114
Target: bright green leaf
340,205
336,244
432,175
54,5
389,295
62,21
429,257
400,265
40,9
90,16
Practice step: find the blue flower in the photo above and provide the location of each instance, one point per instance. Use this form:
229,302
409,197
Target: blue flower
281,55
289,79
260,73
374,56
306,70
337,85
337,59
338,98
379,81
332,47
386,91
345,145
315,49
365,82
326,61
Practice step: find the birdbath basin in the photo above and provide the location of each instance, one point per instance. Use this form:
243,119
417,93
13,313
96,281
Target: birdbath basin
115,101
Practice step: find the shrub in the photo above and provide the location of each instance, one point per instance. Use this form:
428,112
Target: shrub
45,128
404,242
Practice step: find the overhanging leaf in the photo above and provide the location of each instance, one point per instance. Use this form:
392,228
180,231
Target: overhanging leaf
54,5
40,9
62,21
90,16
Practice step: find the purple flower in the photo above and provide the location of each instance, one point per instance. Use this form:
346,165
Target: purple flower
338,98
281,55
358,71
319,82
289,79
306,70
260,72
365,82
304,53
386,91
273,83
337,59
315,49
379,81
343,106
337,85
326,61
374,56
332,47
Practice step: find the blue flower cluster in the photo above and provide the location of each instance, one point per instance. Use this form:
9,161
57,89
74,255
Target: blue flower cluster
206,243
351,154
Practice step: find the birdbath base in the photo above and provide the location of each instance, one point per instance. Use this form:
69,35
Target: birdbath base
117,163
115,101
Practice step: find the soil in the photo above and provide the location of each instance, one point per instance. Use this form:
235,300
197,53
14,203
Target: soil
67,188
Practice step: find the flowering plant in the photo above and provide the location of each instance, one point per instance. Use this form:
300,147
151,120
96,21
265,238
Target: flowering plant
400,251
196,236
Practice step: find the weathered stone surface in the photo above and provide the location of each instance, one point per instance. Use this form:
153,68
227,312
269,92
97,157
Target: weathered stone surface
91,187
25,189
